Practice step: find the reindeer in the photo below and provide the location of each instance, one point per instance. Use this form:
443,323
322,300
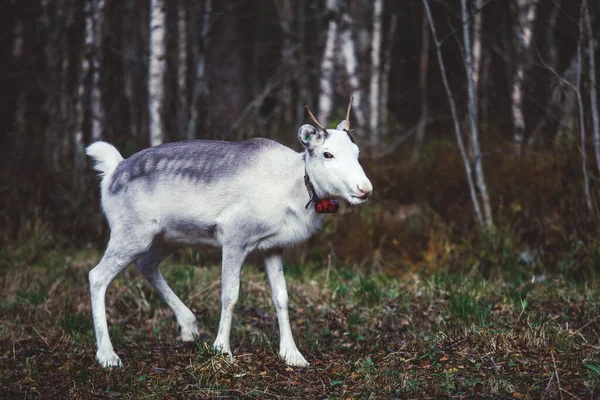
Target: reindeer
241,196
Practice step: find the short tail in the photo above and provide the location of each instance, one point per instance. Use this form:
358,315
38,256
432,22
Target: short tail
106,156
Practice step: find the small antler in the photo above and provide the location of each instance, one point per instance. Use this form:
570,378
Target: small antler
348,115
312,117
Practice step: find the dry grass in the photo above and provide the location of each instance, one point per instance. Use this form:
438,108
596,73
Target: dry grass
366,334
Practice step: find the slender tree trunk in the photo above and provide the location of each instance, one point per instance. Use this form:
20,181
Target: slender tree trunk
457,129
517,110
552,55
375,86
550,35
52,29
350,61
96,91
577,63
326,89
387,67
477,47
199,46
526,13
474,114
228,71
21,111
18,33
423,71
593,87
567,106
17,53
182,86
285,13
305,94
485,87
65,98
82,90
157,71
132,55
586,179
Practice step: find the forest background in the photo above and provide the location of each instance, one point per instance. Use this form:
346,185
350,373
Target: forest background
478,125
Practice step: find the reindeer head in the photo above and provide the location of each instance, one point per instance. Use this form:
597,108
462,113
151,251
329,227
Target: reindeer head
331,161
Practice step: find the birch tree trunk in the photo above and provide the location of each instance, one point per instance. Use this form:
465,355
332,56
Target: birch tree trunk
303,88
375,86
132,82
586,179
526,12
477,48
593,87
199,46
457,129
387,67
350,61
96,91
286,18
182,108
156,71
82,90
326,90
473,112
423,71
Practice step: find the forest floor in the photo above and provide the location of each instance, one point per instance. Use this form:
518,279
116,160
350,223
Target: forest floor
366,334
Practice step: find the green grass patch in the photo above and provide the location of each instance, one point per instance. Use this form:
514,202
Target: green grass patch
367,334
466,307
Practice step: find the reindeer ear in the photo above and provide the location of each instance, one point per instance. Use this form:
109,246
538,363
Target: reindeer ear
341,126
310,137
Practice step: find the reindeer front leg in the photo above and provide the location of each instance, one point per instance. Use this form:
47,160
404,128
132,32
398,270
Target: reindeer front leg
287,347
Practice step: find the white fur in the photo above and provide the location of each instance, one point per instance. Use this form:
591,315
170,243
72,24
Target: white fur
260,206
107,157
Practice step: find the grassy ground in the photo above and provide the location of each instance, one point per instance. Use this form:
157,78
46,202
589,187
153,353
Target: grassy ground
402,297
367,334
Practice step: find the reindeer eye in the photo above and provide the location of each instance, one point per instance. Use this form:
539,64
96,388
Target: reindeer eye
327,155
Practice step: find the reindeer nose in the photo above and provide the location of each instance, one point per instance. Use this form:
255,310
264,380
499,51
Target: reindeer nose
366,190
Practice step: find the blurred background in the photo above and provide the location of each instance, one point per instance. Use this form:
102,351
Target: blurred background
481,136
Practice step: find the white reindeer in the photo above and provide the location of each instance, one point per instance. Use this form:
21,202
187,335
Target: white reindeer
240,196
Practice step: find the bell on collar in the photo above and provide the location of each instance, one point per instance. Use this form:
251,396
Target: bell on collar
326,206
